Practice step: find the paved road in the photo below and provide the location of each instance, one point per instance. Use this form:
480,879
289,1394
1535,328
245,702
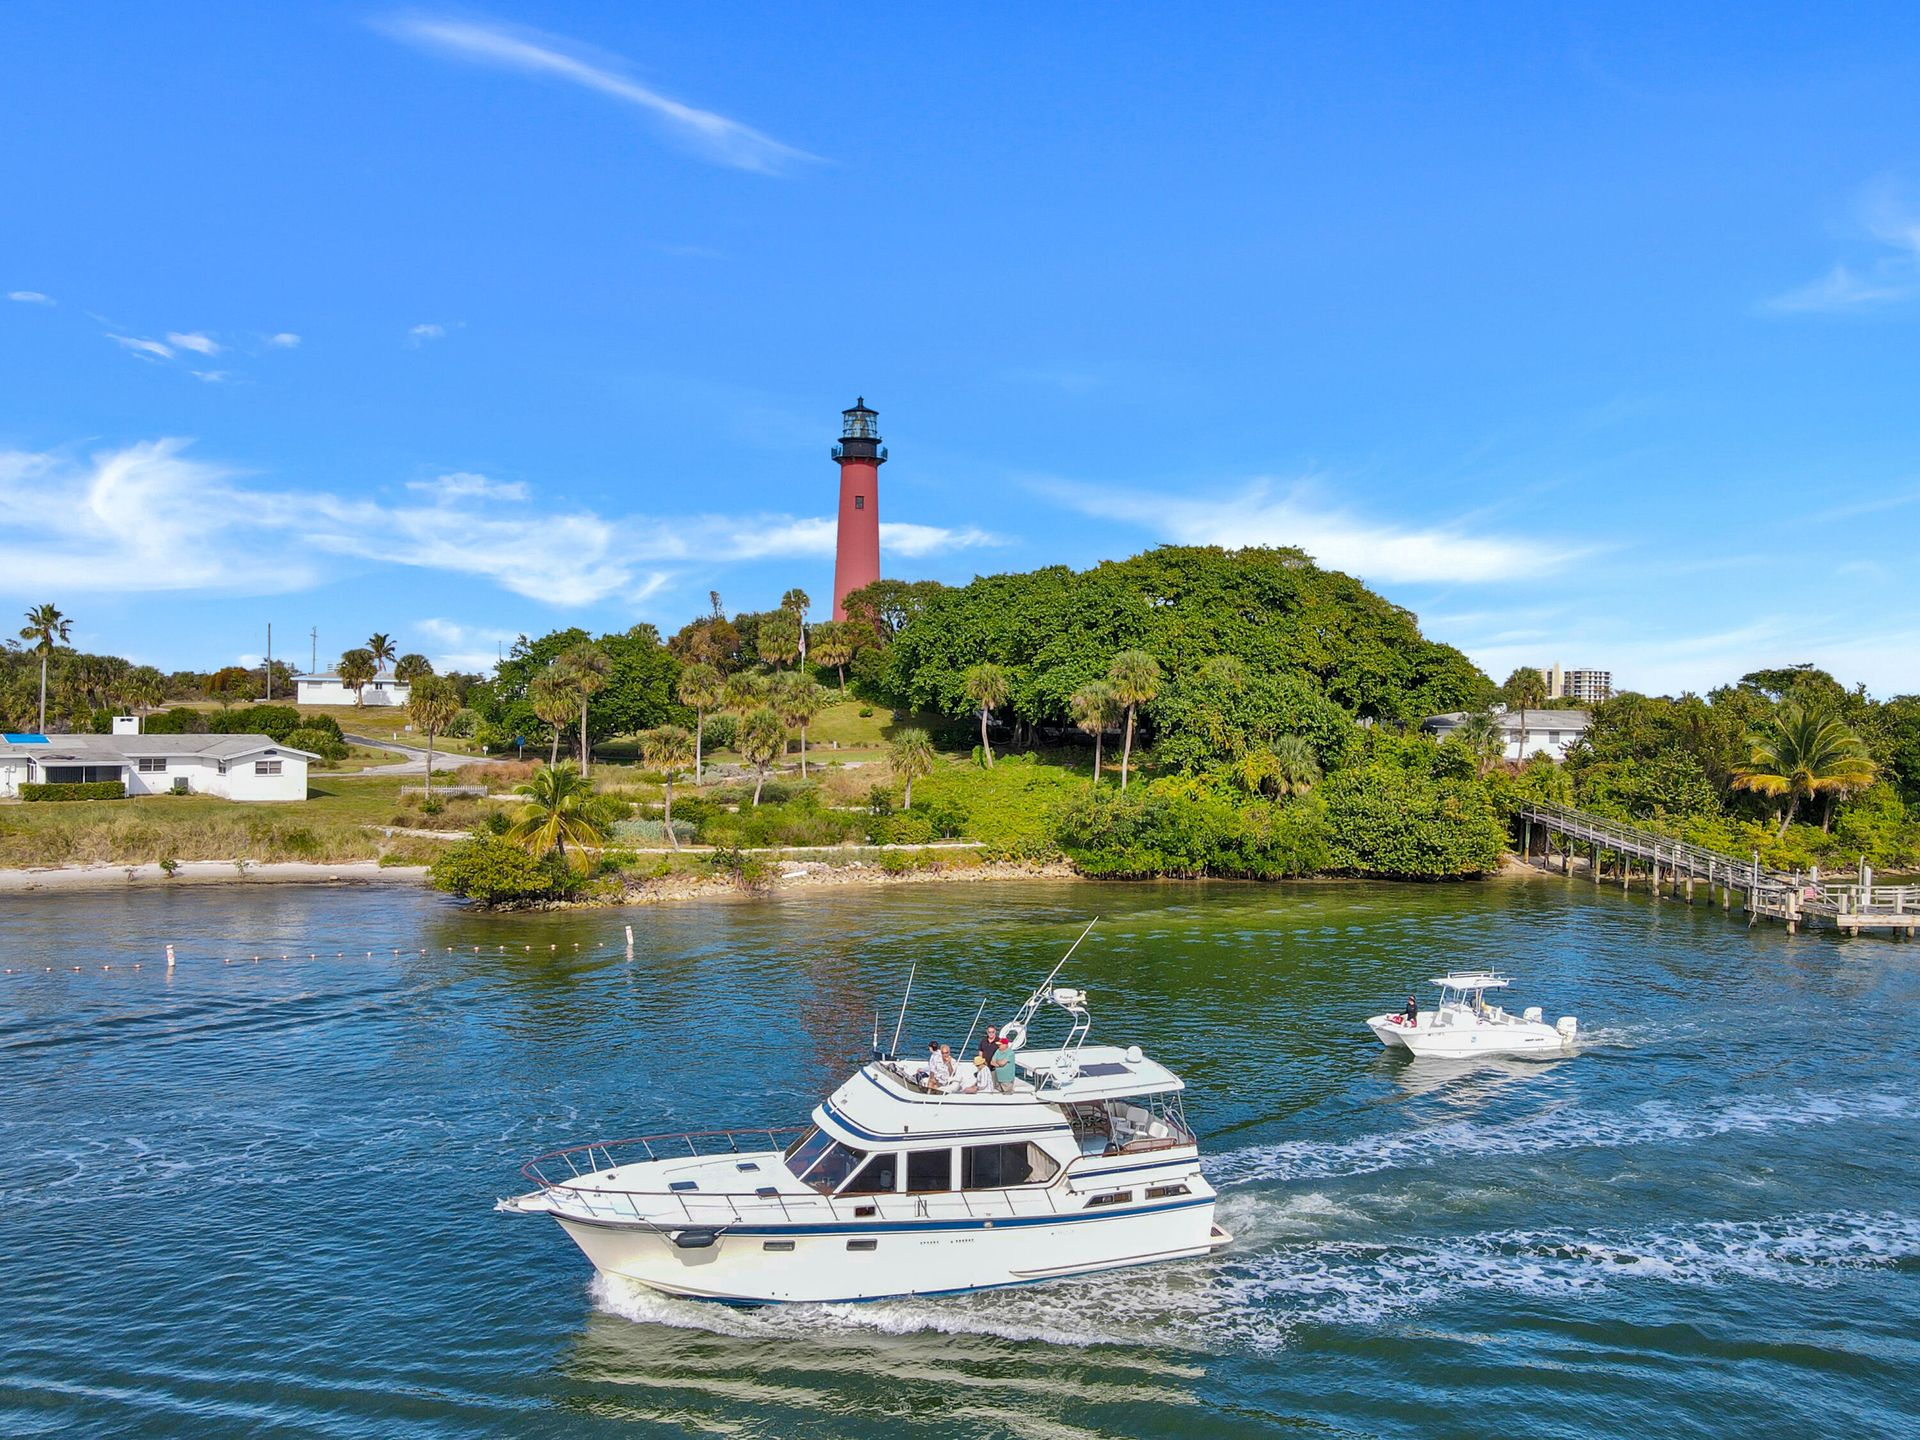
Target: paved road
415,761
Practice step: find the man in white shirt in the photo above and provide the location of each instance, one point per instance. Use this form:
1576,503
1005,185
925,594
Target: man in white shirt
941,1074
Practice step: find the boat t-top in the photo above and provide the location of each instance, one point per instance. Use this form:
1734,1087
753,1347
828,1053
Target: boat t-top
1465,1024
1085,1163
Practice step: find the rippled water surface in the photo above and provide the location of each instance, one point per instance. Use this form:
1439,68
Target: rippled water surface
254,1198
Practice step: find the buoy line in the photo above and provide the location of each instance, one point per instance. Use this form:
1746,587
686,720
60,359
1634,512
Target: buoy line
172,960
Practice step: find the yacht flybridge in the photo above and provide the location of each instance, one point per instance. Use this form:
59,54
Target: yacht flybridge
897,1188
1465,1024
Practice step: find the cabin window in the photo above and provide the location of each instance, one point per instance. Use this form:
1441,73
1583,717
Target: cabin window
863,1244
153,764
833,1167
929,1170
991,1167
1112,1197
776,1245
1166,1192
879,1176
683,1185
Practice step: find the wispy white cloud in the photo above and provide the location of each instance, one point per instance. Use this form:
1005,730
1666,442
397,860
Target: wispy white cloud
285,340
213,377
429,330
197,341
464,485
152,517
30,297
145,349
716,137
1889,276
1267,512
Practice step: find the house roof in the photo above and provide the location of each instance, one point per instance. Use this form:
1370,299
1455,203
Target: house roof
109,749
1516,720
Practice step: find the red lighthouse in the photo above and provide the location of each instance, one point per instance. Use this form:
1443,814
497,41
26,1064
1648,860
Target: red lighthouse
856,553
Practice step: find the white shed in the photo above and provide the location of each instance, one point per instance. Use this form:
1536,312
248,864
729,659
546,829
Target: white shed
328,690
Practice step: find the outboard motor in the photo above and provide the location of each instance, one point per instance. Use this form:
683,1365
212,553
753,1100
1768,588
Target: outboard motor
1565,1026
1531,1015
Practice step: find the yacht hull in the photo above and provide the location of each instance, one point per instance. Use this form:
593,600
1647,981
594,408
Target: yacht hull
846,1263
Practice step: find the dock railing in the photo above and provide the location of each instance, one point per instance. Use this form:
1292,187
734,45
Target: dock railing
1794,897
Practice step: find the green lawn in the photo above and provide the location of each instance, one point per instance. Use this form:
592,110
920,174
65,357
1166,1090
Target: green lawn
331,824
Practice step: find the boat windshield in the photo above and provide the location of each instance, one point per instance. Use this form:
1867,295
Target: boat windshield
834,1167
807,1149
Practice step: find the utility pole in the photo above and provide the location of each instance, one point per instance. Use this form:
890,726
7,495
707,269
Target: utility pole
269,661
313,663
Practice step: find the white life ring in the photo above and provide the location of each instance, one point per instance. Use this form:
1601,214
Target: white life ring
1064,1070
1013,1035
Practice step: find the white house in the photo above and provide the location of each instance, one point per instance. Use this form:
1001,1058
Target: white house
234,767
327,690
1525,732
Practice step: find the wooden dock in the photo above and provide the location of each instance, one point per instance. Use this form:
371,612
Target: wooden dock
1675,867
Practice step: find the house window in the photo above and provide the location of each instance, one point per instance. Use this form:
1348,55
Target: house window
859,502
266,767
1553,737
153,764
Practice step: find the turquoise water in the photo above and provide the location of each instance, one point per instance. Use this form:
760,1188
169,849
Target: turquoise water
254,1199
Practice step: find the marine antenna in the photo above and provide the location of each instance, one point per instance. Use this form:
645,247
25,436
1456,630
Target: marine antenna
893,1049
1038,998
968,1044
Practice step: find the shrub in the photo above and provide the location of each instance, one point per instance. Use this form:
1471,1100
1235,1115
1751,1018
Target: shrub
721,732
1382,820
749,872
179,720
274,721
318,741
653,832
496,873
1186,830
905,829
89,790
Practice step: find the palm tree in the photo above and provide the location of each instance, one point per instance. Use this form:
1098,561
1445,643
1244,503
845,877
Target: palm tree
146,688
552,700
382,649
911,755
986,685
797,602
357,670
761,738
588,670
1525,689
798,700
431,705
779,637
45,626
667,748
744,692
411,667
1484,739
702,687
1296,768
833,645
559,809
1134,677
1094,711
1803,752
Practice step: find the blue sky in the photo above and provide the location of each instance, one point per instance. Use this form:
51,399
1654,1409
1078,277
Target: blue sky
1588,334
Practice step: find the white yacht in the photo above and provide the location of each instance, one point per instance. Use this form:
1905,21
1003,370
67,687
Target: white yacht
895,1189
1463,1023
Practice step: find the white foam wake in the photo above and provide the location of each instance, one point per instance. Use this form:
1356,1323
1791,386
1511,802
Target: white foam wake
1564,1128
1257,1298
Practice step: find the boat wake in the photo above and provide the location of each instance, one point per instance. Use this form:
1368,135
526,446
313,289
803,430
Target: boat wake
1563,1128
1257,1298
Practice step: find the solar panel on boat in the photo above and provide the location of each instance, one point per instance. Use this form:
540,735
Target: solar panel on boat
1105,1067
